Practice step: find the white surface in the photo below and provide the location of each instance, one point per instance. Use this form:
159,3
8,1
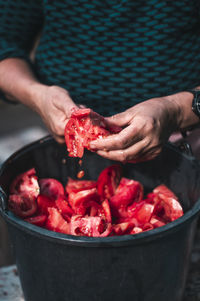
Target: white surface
10,288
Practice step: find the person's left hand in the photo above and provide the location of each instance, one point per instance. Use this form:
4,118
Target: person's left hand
146,126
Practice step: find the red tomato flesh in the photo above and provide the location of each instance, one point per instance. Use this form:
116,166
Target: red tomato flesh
83,127
78,185
108,181
110,206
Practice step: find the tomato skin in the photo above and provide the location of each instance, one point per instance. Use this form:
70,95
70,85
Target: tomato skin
38,220
22,206
108,181
44,203
51,188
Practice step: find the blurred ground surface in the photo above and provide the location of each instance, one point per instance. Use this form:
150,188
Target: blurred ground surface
18,127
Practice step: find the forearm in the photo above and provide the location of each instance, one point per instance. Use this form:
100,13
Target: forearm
19,83
186,117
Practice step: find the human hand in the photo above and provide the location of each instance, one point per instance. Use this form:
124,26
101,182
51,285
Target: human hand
146,126
55,107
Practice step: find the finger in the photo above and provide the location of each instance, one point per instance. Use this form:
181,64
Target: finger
81,106
121,119
59,139
141,151
58,127
147,156
124,139
66,104
124,155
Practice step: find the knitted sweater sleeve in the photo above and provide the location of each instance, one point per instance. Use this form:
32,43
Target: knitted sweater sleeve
20,22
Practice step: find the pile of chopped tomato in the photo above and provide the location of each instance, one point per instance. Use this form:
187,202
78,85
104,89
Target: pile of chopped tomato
84,126
112,205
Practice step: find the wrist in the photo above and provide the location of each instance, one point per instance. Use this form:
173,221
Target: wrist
35,95
183,101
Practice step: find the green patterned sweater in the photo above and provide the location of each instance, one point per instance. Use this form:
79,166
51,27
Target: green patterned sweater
108,54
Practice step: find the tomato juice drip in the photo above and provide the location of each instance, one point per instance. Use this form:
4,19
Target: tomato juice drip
81,173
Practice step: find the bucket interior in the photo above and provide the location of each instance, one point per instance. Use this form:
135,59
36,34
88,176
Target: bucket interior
179,172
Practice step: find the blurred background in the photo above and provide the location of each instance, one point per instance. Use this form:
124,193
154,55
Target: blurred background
18,127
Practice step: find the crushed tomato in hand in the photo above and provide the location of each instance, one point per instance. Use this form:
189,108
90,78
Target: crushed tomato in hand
84,126
112,205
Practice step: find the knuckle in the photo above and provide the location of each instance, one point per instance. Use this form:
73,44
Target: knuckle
150,125
121,142
123,156
118,142
147,141
58,130
155,143
158,151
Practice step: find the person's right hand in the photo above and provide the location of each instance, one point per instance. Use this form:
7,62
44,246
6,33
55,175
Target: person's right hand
55,106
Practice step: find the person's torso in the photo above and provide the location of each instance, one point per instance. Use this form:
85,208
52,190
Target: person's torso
113,54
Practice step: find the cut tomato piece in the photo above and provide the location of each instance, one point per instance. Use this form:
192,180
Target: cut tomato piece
107,213
44,203
56,222
145,213
147,227
21,205
63,206
78,185
136,230
156,222
38,220
108,181
83,127
89,226
51,188
90,207
168,202
26,184
83,199
102,210
128,192
123,228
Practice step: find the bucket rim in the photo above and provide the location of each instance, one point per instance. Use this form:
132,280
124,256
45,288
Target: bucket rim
84,241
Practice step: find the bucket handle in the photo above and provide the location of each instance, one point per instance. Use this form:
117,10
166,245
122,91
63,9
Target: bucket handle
3,198
185,146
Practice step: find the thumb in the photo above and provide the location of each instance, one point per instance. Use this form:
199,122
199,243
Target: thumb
69,106
120,119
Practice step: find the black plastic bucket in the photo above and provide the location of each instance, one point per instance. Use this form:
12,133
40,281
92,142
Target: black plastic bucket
145,267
